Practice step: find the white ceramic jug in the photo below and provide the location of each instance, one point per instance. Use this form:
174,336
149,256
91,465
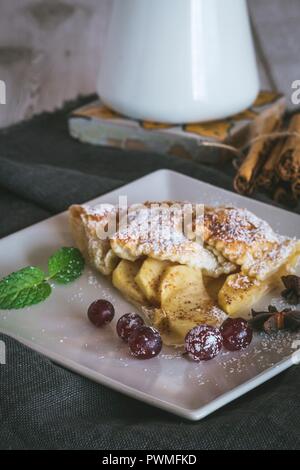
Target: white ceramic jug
178,60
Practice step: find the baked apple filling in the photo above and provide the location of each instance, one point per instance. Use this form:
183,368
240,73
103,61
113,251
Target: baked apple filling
176,280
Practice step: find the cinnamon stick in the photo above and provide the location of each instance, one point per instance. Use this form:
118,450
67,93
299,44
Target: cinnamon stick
268,177
245,179
288,166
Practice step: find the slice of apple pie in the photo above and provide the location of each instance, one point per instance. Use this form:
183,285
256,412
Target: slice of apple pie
221,261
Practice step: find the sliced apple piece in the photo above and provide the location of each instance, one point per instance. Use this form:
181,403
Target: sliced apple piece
148,279
182,290
240,292
123,278
185,303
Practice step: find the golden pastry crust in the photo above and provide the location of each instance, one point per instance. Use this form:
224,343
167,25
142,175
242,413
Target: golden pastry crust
86,224
146,231
149,233
247,241
233,238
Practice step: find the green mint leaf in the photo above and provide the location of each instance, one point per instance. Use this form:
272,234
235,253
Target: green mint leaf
23,288
65,265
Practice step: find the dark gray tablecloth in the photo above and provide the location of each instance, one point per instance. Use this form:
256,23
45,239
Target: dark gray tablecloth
42,171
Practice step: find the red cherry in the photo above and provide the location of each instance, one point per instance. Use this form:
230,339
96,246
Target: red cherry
144,342
127,323
236,333
101,312
203,342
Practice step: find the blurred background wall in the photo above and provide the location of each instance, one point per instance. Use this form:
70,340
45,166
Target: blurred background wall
50,50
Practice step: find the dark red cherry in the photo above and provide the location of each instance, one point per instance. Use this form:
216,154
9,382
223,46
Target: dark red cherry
236,333
101,312
144,342
127,323
203,342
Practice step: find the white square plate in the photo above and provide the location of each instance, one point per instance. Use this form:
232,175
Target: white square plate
59,329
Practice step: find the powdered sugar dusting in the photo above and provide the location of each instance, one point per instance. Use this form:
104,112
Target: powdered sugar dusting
158,231
241,281
232,224
246,240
